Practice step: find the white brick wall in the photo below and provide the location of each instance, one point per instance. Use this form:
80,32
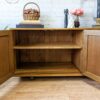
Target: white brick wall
52,12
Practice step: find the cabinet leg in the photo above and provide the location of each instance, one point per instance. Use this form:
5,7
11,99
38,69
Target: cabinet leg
32,78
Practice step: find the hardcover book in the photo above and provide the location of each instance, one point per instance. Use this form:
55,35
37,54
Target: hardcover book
30,26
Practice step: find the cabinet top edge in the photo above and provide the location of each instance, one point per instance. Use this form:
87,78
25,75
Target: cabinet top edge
80,29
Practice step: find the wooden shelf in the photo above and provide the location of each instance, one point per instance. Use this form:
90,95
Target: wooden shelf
47,69
49,29
54,29
49,46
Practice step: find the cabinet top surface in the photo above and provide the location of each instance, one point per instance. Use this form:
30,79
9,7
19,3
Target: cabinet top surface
80,29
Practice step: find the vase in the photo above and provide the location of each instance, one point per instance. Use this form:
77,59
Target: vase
76,22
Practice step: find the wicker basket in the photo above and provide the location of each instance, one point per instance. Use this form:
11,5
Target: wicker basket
31,14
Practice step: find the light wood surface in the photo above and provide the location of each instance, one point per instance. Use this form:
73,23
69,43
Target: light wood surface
92,76
55,88
94,55
47,69
84,54
5,64
55,29
11,53
93,52
51,29
49,46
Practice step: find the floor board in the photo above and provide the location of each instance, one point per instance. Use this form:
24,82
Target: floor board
66,88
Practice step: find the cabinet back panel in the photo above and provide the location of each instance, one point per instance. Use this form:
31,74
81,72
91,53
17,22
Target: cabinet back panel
44,56
35,37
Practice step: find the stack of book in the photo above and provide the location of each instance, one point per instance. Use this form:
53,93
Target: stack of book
97,23
30,24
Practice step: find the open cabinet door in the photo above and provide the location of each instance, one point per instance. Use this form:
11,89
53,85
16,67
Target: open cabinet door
6,56
92,54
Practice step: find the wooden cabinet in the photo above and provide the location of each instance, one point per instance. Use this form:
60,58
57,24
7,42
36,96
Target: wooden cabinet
47,52
50,52
6,68
93,54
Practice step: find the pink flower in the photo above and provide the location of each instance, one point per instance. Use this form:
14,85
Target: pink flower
77,12
73,12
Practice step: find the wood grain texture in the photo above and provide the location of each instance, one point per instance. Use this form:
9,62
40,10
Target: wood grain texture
92,76
38,37
93,55
44,55
61,88
77,46
48,46
45,29
83,54
47,69
5,64
11,53
53,29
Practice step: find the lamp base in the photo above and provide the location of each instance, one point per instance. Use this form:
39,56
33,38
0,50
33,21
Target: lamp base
97,25
97,21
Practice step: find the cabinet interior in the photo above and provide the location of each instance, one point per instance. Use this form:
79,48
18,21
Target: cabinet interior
47,51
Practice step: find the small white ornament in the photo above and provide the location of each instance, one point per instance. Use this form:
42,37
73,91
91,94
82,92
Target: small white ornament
70,22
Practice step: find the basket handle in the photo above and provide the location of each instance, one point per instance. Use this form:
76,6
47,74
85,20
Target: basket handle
28,4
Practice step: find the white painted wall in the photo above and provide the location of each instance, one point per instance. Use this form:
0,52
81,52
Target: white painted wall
52,12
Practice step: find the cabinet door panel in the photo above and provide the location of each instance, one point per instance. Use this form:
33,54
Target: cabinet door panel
93,55
4,52
5,59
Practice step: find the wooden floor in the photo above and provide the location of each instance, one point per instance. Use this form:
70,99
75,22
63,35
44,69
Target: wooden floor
66,88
